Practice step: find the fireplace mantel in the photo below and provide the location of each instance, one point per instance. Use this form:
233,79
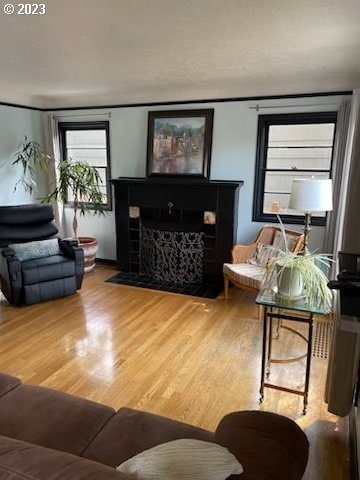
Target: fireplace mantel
170,200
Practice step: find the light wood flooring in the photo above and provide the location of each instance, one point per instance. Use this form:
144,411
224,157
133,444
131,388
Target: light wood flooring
187,358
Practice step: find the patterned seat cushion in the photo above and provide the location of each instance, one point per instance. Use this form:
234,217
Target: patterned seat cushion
245,273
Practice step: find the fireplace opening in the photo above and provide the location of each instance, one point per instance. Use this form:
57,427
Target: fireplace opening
171,252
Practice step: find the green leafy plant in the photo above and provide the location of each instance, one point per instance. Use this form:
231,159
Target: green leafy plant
31,157
77,183
309,266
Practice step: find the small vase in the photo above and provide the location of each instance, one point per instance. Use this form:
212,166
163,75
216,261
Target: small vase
290,283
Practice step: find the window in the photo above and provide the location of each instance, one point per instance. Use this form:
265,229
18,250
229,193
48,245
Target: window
290,146
89,142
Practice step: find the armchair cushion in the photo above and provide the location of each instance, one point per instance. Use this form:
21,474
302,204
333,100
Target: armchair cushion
37,249
245,273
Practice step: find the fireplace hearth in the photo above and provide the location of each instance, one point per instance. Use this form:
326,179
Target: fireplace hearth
175,232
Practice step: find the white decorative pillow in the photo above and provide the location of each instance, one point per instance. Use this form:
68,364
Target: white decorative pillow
36,249
261,256
184,459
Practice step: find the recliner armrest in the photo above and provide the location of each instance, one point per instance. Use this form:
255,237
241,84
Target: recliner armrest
70,248
10,275
8,252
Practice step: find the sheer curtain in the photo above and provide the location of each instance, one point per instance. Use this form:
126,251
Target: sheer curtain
345,351
54,170
333,219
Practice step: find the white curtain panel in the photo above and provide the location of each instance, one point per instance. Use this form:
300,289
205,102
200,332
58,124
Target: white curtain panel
343,365
351,235
346,236
342,129
54,170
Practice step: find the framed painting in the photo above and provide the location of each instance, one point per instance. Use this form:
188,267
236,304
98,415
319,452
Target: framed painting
179,143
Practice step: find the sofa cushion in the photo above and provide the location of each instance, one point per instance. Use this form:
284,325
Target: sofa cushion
48,268
50,418
37,249
8,383
183,459
130,432
25,461
245,273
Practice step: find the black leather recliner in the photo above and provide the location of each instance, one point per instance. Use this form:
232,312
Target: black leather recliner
37,279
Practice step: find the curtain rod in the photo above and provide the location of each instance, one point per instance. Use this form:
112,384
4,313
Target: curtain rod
84,115
258,107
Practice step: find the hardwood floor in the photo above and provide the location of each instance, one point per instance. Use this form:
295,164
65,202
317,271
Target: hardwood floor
187,358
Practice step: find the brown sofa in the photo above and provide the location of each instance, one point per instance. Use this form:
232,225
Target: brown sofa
50,435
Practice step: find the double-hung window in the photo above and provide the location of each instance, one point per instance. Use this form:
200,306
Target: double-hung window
89,142
290,146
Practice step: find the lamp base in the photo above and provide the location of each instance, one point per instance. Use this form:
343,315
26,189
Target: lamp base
307,232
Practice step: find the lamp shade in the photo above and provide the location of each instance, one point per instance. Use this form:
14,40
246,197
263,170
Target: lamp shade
311,195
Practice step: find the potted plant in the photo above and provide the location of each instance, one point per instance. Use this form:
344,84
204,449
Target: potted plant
77,185
299,274
31,157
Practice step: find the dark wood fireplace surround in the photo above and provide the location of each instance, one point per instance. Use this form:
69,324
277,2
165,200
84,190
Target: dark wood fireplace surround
176,205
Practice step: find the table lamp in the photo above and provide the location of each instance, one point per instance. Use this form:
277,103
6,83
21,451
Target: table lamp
308,196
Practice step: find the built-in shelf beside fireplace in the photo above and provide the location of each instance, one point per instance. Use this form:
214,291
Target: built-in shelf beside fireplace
207,207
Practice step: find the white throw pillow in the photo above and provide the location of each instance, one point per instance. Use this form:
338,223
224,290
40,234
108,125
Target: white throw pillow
262,255
36,249
183,459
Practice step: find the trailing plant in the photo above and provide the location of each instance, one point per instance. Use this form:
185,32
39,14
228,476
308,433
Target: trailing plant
31,157
311,266
77,182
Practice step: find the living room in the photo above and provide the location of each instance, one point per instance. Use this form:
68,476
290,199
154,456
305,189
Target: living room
184,357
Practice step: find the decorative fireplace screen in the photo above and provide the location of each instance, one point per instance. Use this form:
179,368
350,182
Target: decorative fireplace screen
172,256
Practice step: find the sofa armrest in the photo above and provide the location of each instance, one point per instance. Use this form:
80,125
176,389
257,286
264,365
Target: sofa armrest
242,253
25,461
269,446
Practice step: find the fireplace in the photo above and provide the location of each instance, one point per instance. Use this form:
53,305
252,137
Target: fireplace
172,256
179,232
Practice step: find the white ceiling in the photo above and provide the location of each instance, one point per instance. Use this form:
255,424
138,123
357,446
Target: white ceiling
101,52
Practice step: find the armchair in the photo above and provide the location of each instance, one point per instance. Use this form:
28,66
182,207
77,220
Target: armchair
248,261
35,265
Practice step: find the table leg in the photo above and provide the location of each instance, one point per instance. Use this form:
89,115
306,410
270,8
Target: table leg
268,361
263,354
308,362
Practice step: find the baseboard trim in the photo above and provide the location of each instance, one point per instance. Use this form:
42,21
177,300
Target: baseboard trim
106,261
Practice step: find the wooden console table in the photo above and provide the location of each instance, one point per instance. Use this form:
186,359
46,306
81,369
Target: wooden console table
280,309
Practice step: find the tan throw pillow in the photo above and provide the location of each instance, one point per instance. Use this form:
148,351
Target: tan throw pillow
184,459
262,255
279,241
